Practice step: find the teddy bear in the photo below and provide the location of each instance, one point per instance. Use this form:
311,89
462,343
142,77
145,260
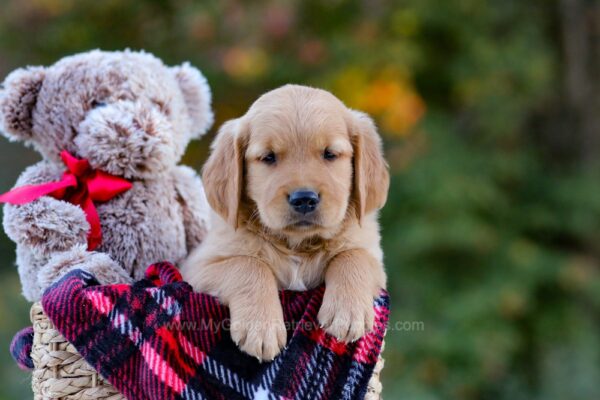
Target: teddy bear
109,196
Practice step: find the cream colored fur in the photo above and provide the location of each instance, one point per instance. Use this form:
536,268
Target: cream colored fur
255,245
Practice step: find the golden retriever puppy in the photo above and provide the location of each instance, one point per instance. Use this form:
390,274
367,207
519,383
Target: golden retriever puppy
295,186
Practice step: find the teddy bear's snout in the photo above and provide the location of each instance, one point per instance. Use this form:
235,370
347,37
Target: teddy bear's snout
129,139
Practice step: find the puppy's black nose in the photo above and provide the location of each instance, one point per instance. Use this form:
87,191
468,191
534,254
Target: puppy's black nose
304,201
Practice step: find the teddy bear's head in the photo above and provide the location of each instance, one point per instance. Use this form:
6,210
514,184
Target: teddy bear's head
126,112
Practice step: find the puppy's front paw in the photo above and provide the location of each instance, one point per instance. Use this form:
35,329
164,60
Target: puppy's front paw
347,316
258,329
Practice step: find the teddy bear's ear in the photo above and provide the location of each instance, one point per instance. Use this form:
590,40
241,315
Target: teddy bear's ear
197,96
18,96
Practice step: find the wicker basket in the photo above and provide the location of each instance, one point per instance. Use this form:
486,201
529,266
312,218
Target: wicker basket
61,373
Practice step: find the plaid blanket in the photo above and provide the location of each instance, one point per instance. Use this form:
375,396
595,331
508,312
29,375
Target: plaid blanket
158,340
20,348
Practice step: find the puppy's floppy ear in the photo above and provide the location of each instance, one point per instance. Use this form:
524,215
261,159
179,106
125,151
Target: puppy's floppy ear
223,173
371,176
17,100
197,96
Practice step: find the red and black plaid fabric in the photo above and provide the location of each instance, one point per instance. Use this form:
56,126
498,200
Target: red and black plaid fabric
20,348
158,340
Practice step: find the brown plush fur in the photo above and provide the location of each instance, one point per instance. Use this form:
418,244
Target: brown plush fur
256,245
130,116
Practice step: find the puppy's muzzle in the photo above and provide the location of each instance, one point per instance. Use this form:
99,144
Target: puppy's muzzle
304,201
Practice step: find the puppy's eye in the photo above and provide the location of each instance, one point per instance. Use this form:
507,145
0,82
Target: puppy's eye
329,155
269,158
97,103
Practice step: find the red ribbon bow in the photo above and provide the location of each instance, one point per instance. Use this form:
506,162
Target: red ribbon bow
80,185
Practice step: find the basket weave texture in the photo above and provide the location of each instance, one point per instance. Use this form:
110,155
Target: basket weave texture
61,373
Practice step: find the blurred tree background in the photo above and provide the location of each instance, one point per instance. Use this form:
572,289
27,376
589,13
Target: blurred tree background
490,112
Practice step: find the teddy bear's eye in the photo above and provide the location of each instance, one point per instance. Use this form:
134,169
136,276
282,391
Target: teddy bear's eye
96,104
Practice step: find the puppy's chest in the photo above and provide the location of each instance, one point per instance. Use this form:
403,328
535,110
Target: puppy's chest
298,272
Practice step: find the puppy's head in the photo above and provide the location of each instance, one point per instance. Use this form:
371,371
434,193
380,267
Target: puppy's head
297,162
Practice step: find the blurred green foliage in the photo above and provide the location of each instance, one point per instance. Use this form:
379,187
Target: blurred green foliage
492,227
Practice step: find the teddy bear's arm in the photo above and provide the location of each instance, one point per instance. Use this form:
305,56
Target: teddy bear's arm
45,225
101,265
190,194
